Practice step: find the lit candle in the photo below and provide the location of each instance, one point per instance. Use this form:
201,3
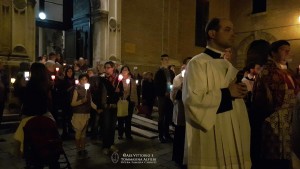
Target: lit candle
137,81
76,81
12,80
57,69
53,77
87,86
120,77
171,87
127,81
64,64
26,75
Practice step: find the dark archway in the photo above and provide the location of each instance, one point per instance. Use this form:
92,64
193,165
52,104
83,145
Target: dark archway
258,52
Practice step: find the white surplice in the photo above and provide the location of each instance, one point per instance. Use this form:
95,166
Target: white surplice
214,141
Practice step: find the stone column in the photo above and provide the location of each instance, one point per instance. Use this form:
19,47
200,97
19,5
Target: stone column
17,30
106,18
100,30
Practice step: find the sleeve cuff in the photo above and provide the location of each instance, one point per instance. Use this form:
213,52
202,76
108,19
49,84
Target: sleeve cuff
226,101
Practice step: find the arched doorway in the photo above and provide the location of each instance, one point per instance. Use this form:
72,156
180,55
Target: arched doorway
244,47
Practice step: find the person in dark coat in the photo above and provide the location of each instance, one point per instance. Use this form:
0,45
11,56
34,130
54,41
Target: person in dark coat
163,85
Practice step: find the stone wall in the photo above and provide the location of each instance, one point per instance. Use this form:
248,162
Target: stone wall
17,31
150,28
280,21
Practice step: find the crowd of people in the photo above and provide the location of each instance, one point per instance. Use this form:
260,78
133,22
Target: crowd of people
60,91
223,118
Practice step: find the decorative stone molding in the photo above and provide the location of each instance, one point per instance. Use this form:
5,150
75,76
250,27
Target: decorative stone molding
19,50
99,15
20,5
112,24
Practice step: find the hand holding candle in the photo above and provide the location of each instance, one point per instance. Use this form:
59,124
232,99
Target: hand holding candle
120,78
26,75
57,70
127,81
86,86
53,77
12,80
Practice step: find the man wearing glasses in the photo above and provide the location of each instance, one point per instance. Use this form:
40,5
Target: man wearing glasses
114,91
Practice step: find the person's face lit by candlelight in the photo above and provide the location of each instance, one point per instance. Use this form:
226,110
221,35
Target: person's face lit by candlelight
125,72
70,73
83,80
109,68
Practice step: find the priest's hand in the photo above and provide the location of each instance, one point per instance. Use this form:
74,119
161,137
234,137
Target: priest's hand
238,90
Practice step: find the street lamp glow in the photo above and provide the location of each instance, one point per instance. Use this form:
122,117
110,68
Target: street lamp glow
42,15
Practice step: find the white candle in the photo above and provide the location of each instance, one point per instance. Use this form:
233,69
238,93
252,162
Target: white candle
26,75
12,80
127,81
120,77
87,86
57,69
53,77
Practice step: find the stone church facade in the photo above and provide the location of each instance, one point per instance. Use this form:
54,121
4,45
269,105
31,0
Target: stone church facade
137,32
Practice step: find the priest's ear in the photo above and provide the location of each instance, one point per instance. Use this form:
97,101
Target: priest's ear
211,34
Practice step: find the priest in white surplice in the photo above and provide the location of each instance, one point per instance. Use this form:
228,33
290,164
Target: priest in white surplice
217,128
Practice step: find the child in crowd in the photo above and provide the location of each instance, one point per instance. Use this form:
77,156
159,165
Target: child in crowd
81,105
